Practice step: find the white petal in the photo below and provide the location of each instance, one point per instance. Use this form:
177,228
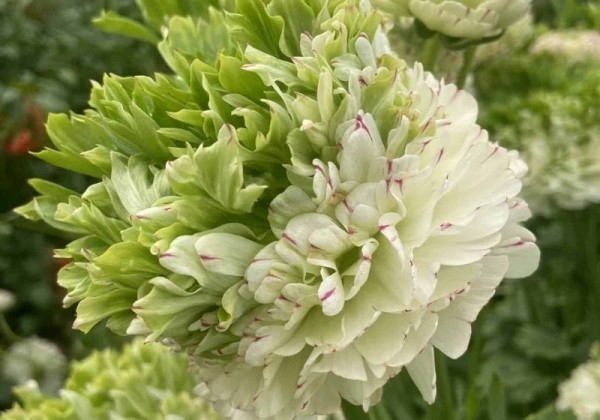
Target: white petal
452,335
422,372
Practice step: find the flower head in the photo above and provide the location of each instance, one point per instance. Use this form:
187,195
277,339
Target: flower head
277,208
401,220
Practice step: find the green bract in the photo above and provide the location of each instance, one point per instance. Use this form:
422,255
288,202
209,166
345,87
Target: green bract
285,201
144,381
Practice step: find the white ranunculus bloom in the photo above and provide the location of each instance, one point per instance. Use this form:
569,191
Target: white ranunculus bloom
581,392
400,243
472,19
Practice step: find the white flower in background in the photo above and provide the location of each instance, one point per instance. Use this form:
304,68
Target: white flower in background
7,300
573,45
37,359
516,36
472,19
562,151
400,242
581,392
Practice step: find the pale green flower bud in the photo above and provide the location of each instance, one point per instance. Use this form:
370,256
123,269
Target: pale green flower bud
143,381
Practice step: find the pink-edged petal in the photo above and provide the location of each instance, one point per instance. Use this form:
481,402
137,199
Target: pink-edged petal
331,293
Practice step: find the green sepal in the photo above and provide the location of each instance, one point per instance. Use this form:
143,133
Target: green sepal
252,24
103,302
128,264
172,305
88,218
217,172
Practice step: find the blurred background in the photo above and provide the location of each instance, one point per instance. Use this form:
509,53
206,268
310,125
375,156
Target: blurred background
49,52
539,92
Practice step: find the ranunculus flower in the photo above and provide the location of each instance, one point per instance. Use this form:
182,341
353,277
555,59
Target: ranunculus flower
300,213
410,223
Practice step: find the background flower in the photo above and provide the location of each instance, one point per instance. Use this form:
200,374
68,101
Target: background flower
469,20
35,359
553,123
581,392
142,381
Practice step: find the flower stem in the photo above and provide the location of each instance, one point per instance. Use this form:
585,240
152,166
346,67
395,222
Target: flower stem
7,332
432,49
468,59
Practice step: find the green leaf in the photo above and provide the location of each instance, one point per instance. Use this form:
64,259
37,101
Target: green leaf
128,257
69,161
55,191
298,18
236,80
114,23
254,26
